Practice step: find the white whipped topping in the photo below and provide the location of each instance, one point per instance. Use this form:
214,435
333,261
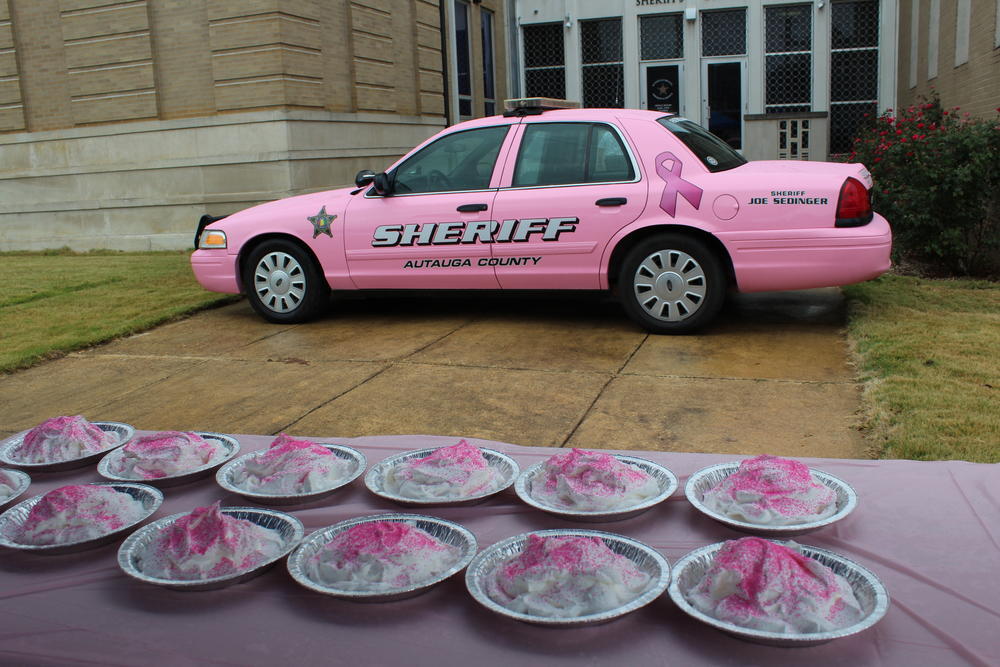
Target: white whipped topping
772,491
77,513
164,454
207,543
565,577
448,473
291,467
380,555
591,481
8,485
62,439
757,584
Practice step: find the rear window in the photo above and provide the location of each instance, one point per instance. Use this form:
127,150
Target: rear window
713,152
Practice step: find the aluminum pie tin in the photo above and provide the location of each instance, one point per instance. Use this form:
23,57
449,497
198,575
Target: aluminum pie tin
666,480
644,557
706,478
445,531
227,473
131,551
869,591
229,444
123,431
14,518
21,480
375,480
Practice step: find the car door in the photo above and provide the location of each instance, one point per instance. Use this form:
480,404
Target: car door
572,186
433,231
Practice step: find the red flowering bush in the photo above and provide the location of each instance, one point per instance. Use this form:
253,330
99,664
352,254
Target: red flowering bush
937,181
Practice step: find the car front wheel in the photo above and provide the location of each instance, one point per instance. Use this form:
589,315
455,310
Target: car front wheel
672,284
283,283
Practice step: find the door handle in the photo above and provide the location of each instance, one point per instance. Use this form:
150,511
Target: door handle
472,208
612,201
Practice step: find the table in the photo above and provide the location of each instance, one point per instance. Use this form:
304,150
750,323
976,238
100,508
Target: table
929,530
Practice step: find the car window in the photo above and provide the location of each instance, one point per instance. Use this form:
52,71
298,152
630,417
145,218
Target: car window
567,153
713,152
457,161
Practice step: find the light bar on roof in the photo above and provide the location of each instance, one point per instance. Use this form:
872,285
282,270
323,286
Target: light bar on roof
543,103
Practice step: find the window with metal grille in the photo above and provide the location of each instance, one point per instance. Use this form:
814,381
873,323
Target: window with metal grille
724,33
661,36
602,64
544,61
463,60
489,80
788,58
853,69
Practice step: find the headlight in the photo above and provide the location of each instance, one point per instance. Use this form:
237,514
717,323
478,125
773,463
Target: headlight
212,238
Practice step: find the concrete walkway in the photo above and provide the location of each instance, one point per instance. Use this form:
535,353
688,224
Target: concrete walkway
772,376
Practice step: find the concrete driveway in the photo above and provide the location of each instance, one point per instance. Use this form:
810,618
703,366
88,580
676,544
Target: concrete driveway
771,376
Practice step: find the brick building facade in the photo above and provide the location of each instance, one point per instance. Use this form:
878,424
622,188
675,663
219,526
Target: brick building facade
123,121
952,47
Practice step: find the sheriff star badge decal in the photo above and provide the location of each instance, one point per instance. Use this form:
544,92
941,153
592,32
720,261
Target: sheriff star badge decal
321,223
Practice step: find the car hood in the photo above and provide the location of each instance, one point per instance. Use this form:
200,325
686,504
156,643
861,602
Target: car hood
295,207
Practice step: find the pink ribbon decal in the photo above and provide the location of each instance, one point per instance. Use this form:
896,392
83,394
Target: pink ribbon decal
675,185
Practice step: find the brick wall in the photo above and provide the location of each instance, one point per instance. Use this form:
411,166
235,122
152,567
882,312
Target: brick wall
974,85
11,106
67,63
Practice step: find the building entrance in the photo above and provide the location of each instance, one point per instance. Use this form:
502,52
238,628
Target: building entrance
723,84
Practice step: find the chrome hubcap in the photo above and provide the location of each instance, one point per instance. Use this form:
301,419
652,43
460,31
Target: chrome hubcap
279,282
669,285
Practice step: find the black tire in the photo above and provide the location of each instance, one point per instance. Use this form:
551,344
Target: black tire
284,284
672,284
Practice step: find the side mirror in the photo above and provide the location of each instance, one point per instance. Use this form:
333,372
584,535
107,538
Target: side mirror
383,183
364,177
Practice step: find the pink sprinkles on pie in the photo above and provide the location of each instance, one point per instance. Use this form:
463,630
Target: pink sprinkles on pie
166,453
389,541
773,575
784,485
61,438
592,473
571,554
78,512
453,464
293,466
226,543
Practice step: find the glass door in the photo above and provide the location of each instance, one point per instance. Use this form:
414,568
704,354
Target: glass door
723,101
661,87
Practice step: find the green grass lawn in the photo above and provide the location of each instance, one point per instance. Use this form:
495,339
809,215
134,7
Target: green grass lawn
929,358
55,302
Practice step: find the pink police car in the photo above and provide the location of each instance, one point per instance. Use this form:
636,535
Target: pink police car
648,205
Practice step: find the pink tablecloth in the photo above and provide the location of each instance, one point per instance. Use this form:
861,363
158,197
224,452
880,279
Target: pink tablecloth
930,531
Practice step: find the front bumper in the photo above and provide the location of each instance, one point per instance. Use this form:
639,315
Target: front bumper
216,270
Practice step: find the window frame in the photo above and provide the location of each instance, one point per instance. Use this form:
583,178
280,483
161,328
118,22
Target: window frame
391,172
614,128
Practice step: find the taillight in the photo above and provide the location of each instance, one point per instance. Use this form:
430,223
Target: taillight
854,208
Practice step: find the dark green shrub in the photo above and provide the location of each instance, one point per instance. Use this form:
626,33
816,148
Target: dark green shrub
937,181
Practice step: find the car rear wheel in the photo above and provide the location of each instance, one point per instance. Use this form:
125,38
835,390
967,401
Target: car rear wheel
283,283
672,284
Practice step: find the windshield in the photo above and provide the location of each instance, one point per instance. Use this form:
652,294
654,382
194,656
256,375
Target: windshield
713,152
